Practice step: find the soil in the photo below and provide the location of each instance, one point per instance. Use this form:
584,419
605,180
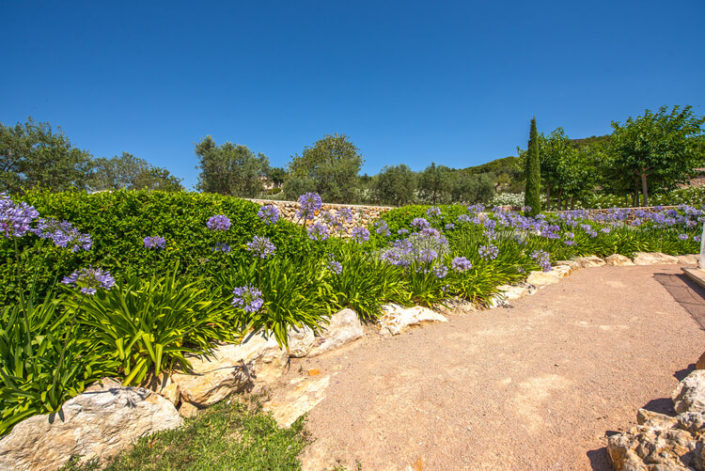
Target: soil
537,386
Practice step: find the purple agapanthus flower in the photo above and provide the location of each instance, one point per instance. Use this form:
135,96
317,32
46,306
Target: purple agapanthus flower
440,271
15,219
63,234
261,247
381,227
221,247
683,236
420,223
333,266
427,255
269,214
248,298
542,258
461,264
360,234
433,211
318,231
310,204
154,242
219,222
403,231
450,226
89,280
489,252
345,215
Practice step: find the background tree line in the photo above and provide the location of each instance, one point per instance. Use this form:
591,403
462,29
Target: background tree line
651,153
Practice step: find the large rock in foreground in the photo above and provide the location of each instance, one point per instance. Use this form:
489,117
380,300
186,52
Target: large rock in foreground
344,327
665,443
618,260
396,319
255,362
544,278
101,422
590,261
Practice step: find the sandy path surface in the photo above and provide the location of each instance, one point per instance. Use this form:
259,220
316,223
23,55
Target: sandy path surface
533,387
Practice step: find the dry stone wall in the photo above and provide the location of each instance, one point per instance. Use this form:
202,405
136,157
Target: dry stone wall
362,215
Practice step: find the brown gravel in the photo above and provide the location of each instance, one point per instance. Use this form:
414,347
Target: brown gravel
533,387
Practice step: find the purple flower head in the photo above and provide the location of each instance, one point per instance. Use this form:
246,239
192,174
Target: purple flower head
461,264
318,231
269,214
403,231
440,271
569,235
15,219
605,230
683,236
248,298
697,238
382,227
63,234
310,204
261,247
219,222
489,252
345,215
221,247
450,226
476,208
360,234
569,242
430,232
333,266
88,280
464,218
542,259
433,211
420,223
427,255
154,242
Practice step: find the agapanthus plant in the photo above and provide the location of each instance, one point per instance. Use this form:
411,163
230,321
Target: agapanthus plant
219,222
62,234
269,214
310,203
154,242
261,247
248,298
15,219
89,280
360,234
318,231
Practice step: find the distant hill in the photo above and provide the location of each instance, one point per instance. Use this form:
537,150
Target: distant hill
497,166
588,141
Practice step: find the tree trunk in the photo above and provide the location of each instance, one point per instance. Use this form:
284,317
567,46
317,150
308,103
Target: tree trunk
560,199
626,199
644,187
572,202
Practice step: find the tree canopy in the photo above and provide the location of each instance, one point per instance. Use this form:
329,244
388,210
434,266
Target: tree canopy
230,169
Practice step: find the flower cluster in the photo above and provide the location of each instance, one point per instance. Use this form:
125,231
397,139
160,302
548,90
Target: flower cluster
15,219
310,204
63,234
318,231
89,280
154,242
333,266
440,271
360,234
221,247
433,211
248,298
542,258
420,223
488,252
269,214
382,227
461,264
261,247
219,222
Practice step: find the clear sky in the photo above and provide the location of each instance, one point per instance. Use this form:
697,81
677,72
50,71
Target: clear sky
408,82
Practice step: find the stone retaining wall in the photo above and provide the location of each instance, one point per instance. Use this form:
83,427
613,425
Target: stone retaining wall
362,215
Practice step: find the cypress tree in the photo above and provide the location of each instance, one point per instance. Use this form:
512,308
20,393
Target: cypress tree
532,192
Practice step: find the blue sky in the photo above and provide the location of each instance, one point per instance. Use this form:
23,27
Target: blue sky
408,82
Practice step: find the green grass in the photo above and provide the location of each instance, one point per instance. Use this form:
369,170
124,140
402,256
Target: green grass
224,437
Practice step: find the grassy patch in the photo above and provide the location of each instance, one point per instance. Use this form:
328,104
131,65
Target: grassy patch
224,437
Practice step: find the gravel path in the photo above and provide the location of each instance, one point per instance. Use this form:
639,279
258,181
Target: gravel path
533,387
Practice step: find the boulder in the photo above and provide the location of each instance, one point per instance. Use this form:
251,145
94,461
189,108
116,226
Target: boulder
165,387
301,341
396,318
455,306
99,423
618,260
344,327
572,264
590,261
653,258
302,395
689,396
544,278
250,365
690,259
700,365
512,292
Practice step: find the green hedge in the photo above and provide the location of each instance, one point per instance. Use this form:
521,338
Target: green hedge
118,221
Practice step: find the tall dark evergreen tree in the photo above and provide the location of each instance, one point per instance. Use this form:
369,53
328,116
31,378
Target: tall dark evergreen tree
532,192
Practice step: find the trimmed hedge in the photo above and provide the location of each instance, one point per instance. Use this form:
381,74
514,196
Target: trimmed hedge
118,221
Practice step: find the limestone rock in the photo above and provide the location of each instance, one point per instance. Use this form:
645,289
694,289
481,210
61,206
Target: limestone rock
455,306
255,362
301,341
297,401
544,278
590,261
572,264
165,387
618,260
396,318
512,292
689,396
690,259
645,448
188,410
653,258
344,327
99,423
